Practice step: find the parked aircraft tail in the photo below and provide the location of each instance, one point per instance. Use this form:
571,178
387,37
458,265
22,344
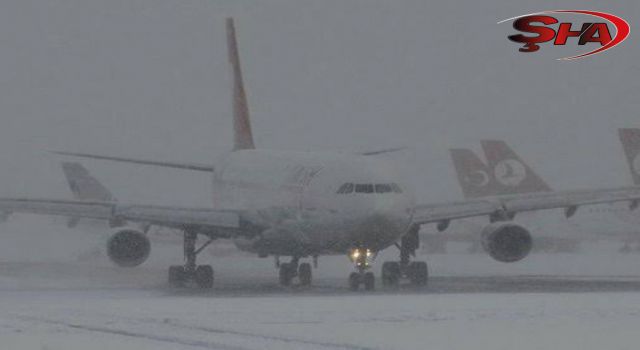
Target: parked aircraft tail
510,170
504,173
630,139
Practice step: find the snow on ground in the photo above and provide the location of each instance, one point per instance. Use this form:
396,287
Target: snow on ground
57,300
129,319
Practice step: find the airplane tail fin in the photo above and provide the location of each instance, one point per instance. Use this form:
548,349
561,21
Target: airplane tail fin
243,138
474,176
83,185
510,171
630,139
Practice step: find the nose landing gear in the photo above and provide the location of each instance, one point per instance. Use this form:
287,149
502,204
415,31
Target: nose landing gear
362,259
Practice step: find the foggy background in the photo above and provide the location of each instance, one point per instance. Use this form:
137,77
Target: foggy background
150,79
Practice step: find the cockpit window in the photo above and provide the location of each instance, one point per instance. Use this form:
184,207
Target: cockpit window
364,188
346,188
383,188
369,188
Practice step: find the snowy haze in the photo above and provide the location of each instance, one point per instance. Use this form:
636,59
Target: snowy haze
149,78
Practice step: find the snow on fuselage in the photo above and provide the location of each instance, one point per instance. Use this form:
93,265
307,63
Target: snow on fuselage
292,203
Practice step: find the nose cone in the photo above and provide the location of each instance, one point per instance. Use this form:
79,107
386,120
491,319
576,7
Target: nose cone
384,223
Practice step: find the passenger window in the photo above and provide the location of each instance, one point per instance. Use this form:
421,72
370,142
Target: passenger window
396,188
364,188
383,188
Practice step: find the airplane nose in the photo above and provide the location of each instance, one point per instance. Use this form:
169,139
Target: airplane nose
390,208
386,221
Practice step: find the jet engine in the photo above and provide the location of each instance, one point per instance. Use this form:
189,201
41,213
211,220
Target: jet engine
128,247
506,242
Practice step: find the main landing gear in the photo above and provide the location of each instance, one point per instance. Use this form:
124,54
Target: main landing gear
190,273
416,271
362,258
288,271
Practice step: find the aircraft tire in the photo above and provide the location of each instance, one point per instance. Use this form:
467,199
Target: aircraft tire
203,276
304,274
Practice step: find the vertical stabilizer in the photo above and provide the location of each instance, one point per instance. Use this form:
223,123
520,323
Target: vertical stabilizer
243,139
510,170
630,139
83,185
473,175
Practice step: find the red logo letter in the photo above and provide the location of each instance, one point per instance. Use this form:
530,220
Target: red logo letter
604,37
524,25
564,31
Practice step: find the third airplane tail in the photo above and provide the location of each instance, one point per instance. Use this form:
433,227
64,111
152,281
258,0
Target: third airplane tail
630,139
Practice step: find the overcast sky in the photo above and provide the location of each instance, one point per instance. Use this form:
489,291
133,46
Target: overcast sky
150,79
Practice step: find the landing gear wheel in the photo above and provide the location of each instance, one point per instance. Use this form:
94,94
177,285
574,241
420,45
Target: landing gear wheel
354,281
304,274
286,274
369,281
203,276
390,273
418,273
177,276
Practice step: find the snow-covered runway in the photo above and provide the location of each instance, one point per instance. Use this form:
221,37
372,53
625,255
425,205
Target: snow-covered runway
573,301
128,319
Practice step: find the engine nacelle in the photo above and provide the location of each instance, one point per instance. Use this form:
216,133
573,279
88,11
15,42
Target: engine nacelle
506,242
128,247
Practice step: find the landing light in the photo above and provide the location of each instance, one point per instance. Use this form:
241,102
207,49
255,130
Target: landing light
361,255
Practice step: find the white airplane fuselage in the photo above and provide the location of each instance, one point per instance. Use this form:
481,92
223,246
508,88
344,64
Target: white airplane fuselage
291,203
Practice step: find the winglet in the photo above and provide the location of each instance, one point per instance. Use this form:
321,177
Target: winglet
630,139
243,138
83,185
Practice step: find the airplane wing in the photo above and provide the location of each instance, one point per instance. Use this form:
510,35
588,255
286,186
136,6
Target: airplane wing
205,219
187,166
509,205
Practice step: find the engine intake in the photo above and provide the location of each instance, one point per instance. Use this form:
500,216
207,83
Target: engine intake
506,242
128,247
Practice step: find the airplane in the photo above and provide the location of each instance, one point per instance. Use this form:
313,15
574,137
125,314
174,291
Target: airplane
505,173
307,204
467,165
